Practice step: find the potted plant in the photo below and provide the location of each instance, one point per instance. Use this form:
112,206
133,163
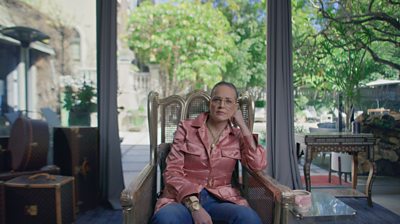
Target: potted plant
80,102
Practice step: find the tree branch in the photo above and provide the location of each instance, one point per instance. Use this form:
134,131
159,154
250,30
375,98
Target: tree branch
381,60
370,5
359,19
386,33
394,3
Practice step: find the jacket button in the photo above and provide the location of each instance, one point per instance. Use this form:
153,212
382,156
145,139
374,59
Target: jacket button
210,182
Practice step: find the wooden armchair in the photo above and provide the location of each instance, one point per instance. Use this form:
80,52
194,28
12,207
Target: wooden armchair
267,197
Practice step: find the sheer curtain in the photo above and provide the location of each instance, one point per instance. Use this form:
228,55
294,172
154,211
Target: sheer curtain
280,126
111,177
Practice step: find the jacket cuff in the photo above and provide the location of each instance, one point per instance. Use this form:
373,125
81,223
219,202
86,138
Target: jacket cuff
186,191
248,138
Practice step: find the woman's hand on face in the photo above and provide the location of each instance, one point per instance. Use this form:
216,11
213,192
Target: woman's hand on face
201,217
237,118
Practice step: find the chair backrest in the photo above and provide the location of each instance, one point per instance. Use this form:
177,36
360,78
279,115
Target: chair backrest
346,161
165,114
170,110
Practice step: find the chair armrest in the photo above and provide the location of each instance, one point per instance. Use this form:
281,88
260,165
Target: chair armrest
269,198
138,199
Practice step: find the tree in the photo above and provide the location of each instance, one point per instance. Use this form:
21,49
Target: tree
305,43
190,41
328,56
370,25
248,22
346,70
308,71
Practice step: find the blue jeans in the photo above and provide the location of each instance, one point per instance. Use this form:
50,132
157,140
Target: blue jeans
220,212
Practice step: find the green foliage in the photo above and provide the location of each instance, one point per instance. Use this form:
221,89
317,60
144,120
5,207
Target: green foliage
197,44
300,129
385,121
259,103
309,71
300,102
262,138
136,119
372,26
81,99
346,68
141,109
190,41
69,98
306,51
339,45
248,22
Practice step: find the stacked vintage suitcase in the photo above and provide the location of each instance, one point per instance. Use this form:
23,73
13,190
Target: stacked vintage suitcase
28,144
33,195
40,198
76,152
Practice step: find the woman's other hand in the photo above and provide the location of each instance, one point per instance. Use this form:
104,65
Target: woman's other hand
237,119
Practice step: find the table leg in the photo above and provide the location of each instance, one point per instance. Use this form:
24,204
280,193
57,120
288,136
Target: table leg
354,170
371,177
306,168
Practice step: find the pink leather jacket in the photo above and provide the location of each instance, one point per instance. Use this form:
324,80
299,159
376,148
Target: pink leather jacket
191,167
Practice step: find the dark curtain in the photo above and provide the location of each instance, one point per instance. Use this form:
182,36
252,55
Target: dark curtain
111,177
281,153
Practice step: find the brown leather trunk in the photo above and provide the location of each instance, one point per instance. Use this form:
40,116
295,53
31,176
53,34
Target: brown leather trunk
40,198
28,144
76,152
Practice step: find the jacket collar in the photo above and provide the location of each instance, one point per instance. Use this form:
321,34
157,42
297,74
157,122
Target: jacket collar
200,121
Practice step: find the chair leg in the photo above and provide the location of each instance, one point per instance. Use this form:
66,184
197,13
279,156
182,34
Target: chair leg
330,170
340,170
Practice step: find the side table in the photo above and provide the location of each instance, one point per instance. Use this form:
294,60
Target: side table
351,143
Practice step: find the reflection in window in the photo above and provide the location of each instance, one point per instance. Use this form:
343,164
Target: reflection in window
76,46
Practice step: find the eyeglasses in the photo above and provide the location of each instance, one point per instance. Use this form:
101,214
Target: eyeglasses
227,101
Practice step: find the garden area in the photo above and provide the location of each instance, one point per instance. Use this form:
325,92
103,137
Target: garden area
338,48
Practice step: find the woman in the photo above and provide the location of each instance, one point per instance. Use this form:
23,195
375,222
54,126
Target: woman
201,162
